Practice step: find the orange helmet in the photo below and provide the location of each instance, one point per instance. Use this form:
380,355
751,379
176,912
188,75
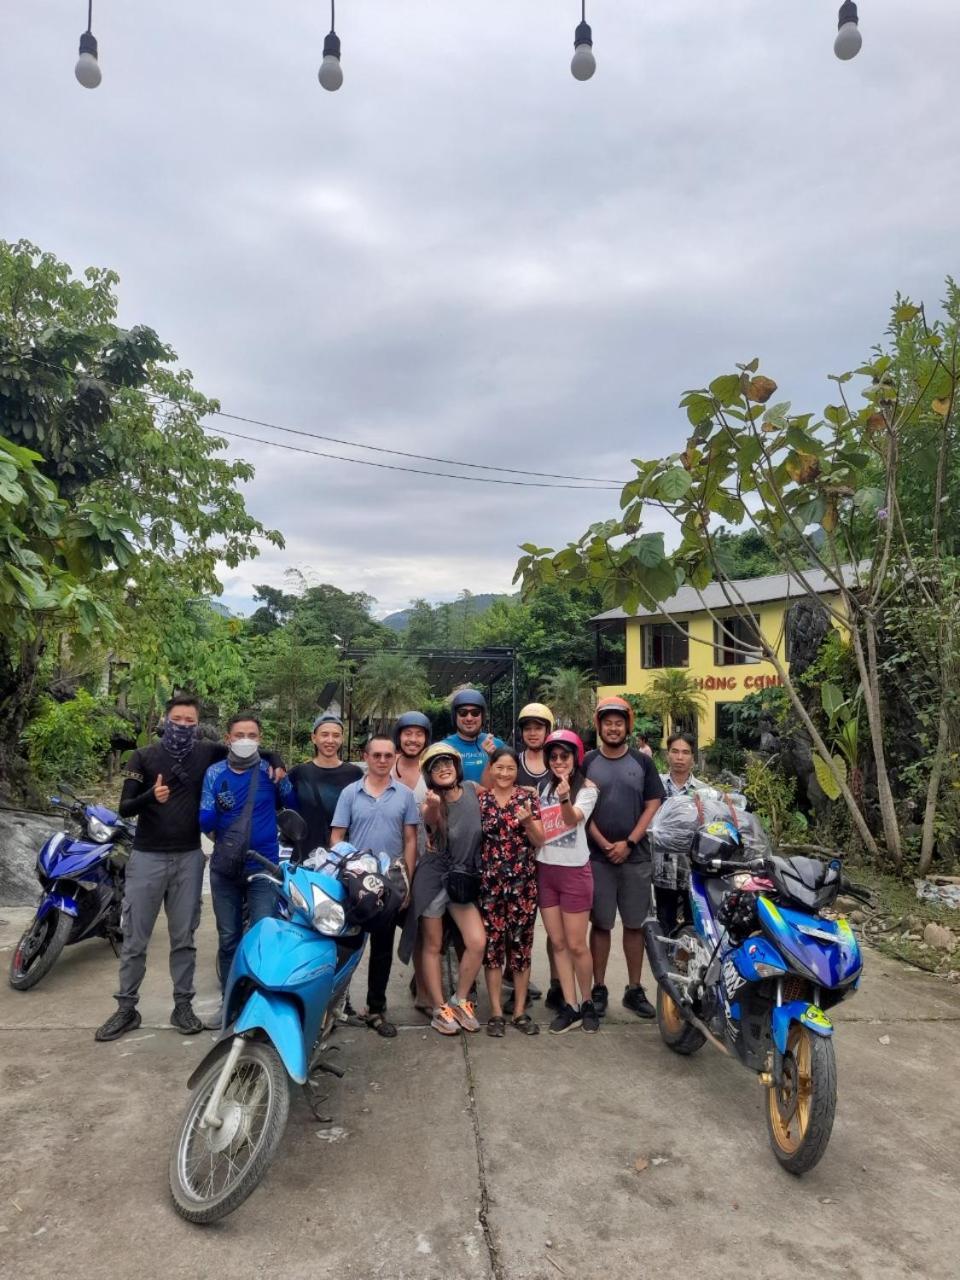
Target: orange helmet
620,705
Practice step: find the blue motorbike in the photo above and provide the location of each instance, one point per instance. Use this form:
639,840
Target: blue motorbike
82,889
754,973
287,983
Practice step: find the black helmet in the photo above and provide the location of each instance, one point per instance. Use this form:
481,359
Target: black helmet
412,720
719,839
468,698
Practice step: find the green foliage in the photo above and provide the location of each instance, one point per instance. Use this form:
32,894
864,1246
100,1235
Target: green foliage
69,740
288,681
773,797
724,757
571,695
645,723
675,698
386,685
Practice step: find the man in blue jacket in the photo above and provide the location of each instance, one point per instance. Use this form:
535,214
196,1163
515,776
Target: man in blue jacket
225,789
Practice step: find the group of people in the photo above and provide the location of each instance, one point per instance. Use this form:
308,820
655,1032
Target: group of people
488,836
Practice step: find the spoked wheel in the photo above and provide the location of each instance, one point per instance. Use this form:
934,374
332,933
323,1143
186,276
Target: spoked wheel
675,1031
36,952
213,1170
800,1113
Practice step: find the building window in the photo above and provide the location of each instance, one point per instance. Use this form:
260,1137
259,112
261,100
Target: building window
665,646
735,641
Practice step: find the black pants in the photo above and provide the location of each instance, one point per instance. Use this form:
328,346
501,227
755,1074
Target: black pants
673,906
380,964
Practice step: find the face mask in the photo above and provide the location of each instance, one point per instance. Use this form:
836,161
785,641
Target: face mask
178,738
244,748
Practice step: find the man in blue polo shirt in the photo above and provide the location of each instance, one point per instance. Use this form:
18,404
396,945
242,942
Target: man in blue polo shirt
468,707
380,813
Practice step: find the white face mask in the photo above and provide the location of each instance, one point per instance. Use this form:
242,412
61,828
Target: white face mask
244,748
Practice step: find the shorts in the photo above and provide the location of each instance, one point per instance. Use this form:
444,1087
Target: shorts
626,887
569,888
436,909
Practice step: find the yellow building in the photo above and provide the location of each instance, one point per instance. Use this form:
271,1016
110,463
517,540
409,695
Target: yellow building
698,631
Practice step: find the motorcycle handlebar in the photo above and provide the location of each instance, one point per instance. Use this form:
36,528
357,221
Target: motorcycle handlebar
267,865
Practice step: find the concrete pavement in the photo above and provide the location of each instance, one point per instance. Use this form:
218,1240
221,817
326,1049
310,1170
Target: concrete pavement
514,1159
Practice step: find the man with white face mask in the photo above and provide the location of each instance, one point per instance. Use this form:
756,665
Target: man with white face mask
226,788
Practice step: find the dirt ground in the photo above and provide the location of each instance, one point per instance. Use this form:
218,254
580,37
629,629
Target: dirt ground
580,1156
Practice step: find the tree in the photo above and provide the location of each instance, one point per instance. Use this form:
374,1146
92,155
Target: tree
674,696
324,615
117,429
289,679
850,495
387,684
571,696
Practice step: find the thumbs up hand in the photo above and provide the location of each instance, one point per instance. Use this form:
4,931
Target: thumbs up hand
161,792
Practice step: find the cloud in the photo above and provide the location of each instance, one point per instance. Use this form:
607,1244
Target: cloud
467,254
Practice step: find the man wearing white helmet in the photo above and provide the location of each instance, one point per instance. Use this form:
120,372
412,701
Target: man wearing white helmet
468,708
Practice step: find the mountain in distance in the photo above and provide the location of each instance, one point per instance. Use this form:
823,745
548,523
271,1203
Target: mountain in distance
477,604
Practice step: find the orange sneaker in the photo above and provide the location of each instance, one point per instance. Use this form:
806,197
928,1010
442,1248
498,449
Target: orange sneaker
462,1010
444,1021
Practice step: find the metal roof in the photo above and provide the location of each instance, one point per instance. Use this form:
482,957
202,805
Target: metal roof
775,586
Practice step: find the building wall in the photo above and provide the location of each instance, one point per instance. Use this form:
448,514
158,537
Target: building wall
719,683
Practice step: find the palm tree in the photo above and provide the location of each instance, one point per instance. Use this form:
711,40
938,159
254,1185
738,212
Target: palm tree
675,697
571,695
389,683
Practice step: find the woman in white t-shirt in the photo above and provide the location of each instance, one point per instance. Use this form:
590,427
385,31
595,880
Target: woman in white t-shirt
565,878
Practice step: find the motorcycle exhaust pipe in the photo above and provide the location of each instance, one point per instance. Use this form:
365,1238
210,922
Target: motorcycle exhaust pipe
656,948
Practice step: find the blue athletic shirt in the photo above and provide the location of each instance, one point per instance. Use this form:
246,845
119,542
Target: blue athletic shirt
474,757
222,799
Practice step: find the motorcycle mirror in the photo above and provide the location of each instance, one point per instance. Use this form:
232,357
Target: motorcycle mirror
292,826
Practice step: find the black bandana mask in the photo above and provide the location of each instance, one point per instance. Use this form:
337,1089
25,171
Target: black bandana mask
178,739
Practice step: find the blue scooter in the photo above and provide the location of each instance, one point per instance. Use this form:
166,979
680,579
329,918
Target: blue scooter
82,882
287,982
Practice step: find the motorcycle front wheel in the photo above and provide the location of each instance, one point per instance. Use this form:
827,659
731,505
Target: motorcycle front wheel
36,952
212,1171
675,1032
800,1112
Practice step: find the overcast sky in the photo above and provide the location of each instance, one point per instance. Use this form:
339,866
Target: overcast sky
466,253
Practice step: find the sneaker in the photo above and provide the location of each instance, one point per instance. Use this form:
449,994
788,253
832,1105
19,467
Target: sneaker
214,1021
184,1020
444,1021
566,1020
636,1001
600,998
588,1017
554,1000
118,1024
462,1010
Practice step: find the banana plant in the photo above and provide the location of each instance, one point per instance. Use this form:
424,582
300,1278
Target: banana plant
843,719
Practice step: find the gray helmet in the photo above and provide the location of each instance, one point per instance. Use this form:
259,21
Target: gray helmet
468,698
412,720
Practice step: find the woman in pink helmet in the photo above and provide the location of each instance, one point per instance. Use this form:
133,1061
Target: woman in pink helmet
565,878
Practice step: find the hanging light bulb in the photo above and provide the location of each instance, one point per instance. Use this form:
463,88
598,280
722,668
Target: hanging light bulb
87,69
848,41
583,64
330,74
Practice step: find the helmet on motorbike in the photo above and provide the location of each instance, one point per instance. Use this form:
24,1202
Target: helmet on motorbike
719,839
613,704
412,720
441,751
536,711
467,698
567,739
371,897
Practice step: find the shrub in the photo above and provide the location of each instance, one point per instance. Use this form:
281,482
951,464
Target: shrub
70,740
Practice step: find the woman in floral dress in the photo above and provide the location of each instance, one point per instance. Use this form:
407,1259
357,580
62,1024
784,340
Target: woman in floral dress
512,831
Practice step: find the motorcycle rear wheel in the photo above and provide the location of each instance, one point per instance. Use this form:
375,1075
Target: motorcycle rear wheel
800,1113
675,1032
212,1171
37,951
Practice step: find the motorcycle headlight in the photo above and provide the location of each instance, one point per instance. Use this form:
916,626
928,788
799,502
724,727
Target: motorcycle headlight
297,898
328,916
99,831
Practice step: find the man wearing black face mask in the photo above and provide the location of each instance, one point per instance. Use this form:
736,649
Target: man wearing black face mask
162,788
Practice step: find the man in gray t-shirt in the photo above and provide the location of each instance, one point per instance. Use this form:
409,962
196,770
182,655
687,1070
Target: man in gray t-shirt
630,794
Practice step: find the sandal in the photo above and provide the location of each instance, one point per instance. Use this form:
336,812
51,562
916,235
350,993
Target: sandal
378,1023
496,1027
525,1024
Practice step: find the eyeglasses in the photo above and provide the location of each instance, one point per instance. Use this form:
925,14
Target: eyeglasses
380,755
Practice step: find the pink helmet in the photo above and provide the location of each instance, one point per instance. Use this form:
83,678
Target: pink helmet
565,738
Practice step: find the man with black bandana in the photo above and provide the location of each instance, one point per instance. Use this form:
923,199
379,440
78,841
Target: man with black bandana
162,788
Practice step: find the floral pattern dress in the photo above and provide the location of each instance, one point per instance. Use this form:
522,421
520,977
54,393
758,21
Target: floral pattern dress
508,880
